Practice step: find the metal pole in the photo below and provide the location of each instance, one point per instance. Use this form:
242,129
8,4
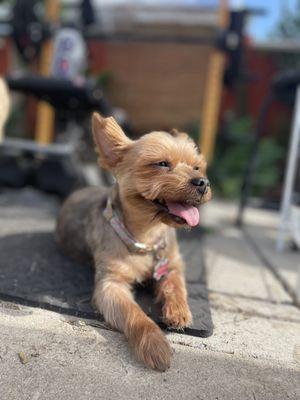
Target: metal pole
251,164
290,175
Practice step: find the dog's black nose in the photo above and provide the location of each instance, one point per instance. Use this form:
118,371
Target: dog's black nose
201,183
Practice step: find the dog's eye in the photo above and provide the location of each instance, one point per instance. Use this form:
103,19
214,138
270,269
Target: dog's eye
196,168
163,164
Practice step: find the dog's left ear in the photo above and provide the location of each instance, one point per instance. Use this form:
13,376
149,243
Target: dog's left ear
110,140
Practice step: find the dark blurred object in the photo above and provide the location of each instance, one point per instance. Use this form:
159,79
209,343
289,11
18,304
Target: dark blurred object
78,97
284,85
55,168
283,88
234,46
28,31
51,175
13,174
69,173
87,13
232,41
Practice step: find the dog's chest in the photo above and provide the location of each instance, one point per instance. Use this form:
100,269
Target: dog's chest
144,266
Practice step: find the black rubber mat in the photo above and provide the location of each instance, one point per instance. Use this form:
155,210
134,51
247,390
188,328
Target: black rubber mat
34,272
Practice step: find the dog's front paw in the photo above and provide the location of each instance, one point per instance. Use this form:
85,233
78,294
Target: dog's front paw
153,348
177,314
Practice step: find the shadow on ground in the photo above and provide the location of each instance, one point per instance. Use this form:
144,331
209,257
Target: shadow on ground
34,272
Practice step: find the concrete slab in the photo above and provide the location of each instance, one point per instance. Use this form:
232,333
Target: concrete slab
17,218
233,268
253,330
286,263
63,360
261,230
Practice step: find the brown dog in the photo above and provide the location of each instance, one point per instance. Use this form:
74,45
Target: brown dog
128,231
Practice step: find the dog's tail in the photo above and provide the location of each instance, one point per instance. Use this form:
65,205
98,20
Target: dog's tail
4,106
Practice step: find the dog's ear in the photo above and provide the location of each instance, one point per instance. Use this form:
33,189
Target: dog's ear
111,142
174,132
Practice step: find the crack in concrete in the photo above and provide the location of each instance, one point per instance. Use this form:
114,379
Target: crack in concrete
267,263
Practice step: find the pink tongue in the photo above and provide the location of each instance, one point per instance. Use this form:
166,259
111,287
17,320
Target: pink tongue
187,212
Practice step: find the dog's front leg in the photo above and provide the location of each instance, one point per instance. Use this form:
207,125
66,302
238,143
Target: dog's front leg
172,294
114,299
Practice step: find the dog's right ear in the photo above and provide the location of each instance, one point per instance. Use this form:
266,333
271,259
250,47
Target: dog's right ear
176,133
111,142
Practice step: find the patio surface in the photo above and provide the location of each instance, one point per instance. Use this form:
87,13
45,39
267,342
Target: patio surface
254,352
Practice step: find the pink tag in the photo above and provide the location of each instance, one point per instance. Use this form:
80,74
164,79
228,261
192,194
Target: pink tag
161,269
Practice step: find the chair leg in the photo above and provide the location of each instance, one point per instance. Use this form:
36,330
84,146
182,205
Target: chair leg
251,165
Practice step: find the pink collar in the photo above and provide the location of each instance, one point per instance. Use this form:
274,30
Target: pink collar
161,264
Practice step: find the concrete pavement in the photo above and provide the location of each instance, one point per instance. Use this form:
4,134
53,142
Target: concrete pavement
68,361
254,352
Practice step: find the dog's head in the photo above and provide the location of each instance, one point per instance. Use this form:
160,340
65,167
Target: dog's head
161,173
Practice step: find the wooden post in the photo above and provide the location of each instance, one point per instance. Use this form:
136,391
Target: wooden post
213,92
44,131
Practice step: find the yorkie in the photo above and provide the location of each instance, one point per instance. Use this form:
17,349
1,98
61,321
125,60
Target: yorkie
128,231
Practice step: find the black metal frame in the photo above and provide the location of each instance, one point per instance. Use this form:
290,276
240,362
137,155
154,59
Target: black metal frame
283,88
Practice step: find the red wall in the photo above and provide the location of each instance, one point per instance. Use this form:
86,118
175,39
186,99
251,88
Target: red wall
4,56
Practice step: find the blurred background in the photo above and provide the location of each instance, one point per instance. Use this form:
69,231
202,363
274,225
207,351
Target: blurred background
223,71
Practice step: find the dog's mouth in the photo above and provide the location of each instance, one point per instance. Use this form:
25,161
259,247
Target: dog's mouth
181,212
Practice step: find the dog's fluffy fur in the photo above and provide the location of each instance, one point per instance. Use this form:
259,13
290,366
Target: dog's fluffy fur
4,106
84,234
